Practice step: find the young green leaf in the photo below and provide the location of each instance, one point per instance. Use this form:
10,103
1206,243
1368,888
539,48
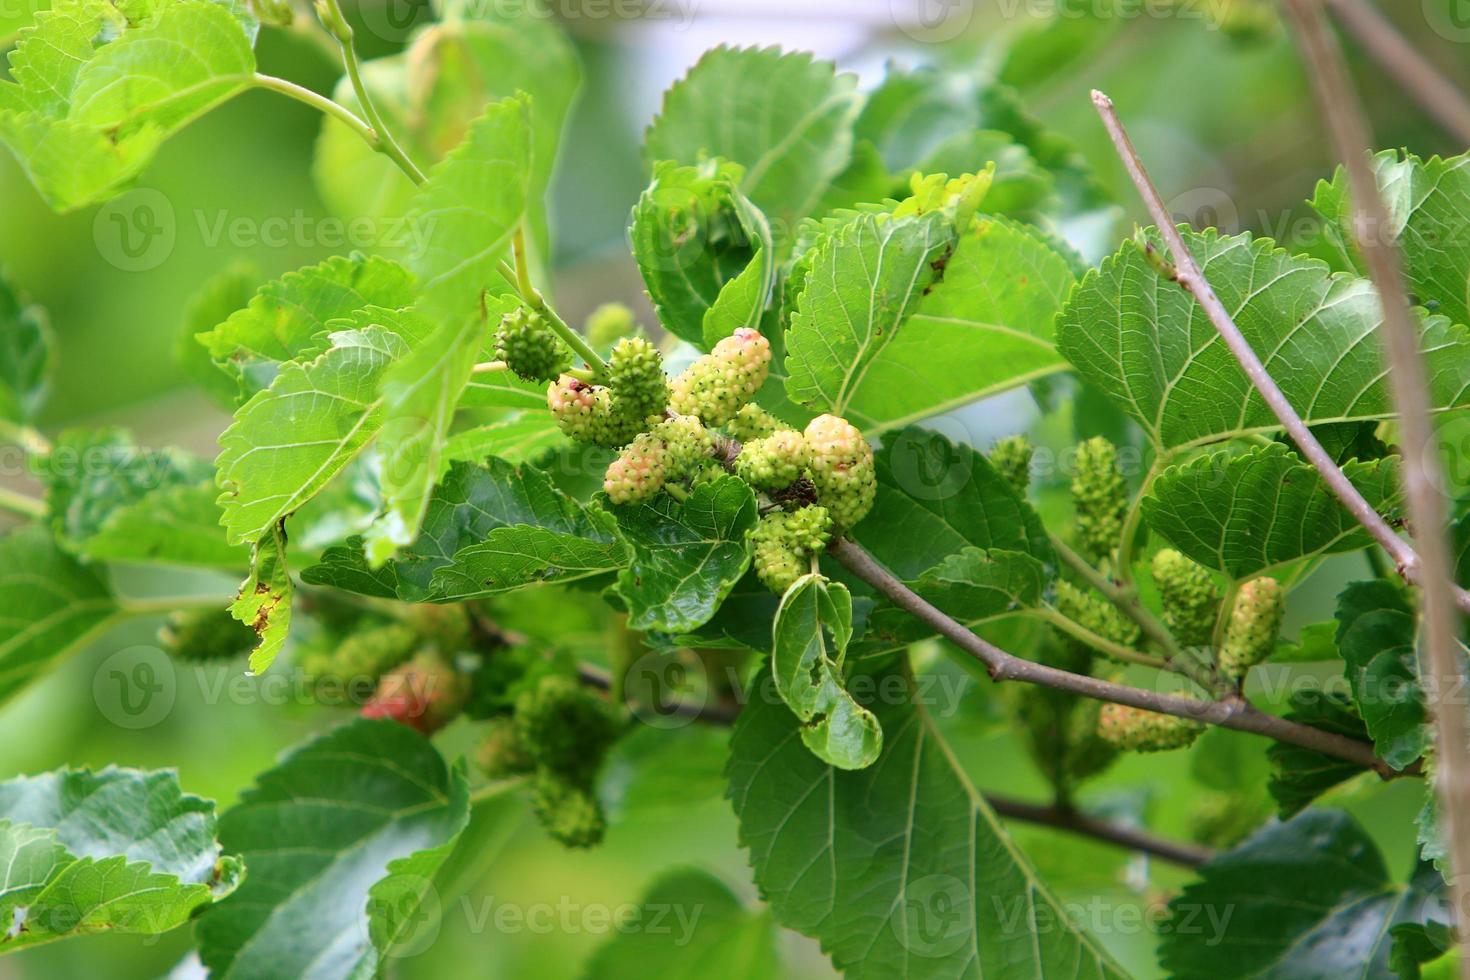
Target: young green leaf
264,602
707,933
1426,201
1376,634
97,88
899,869
1146,344
49,604
25,356
686,557
1310,897
487,529
219,298
1244,514
121,850
287,319
319,832
936,498
812,630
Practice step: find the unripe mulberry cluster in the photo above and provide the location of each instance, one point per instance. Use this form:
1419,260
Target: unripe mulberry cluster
1100,497
1189,596
1095,613
841,469
1138,730
720,383
529,347
1011,457
1255,619
785,543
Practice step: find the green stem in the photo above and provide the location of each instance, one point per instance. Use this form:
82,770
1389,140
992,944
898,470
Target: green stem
1096,640
1124,598
1134,518
494,790
27,438
522,279
319,102
154,605
331,16
20,503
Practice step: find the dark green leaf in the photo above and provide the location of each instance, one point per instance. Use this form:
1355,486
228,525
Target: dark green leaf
1300,775
1375,633
25,356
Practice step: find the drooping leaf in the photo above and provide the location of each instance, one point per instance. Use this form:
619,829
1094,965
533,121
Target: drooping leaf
721,939
785,118
287,319
936,498
1147,345
973,585
49,604
317,833
1309,897
264,602
121,850
429,96
25,355
686,557
1418,943
1300,775
862,283
97,88
1426,202
172,525
288,441
899,869
1375,632
1243,514
488,529
813,628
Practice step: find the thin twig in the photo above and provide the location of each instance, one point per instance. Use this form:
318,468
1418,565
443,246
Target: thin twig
1235,712
1190,277
1436,94
1421,469
1133,838
26,437
1097,641
520,276
319,102
716,713
22,504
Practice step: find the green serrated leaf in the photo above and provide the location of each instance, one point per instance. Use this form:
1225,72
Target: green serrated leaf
1244,514
121,850
707,933
487,529
289,441
973,586
812,630
97,88
1427,200
686,557
1376,629
519,438
287,319
49,604
1300,775
1310,897
862,284
936,498
1145,343
25,355
899,869
320,832
785,118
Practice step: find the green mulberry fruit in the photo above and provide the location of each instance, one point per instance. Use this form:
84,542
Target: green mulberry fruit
841,468
635,376
1190,597
773,462
753,422
689,446
1137,730
611,426
1255,619
356,663
1096,614
425,694
565,728
1011,457
1100,497
529,347
570,813
204,635
501,755
572,404
608,324
720,383
785,541
639,471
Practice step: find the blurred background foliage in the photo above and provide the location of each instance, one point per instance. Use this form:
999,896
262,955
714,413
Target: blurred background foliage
1222,118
